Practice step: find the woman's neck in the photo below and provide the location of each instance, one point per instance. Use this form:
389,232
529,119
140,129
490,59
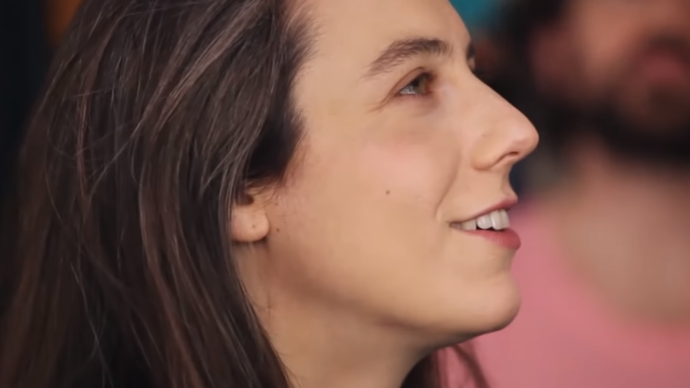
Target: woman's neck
327,349
323,344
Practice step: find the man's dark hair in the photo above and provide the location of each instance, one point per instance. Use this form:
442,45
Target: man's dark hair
519,18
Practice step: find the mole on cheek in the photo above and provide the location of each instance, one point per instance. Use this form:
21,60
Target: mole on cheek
388,192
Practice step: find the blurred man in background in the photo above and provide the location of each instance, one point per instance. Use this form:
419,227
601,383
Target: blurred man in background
605,265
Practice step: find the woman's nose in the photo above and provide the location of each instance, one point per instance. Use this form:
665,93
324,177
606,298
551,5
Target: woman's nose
508,137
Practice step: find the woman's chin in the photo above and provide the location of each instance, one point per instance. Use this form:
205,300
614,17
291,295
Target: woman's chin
495,310
498,311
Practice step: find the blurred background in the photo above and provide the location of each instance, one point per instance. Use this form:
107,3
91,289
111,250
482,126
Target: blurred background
605,201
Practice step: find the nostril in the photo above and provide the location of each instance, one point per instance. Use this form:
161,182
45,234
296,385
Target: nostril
511,158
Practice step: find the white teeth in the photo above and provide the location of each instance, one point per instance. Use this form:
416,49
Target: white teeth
497,220
506,219
484,222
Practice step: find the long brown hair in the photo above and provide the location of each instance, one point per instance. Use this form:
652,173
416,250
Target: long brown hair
157,117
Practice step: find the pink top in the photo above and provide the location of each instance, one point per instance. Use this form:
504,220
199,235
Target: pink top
564,337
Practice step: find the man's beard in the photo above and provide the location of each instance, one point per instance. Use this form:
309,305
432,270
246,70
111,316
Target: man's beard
667,146
561,126
662,137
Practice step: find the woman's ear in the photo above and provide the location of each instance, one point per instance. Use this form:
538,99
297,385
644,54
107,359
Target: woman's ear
249,221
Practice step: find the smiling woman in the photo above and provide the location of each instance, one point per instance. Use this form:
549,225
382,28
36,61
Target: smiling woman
252,193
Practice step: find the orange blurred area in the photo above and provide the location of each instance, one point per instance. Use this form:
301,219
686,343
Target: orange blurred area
58,16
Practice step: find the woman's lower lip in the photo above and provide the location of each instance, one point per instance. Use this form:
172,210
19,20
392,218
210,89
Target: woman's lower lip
506,238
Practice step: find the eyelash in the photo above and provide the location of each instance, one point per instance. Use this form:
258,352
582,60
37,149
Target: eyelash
422,79
428,77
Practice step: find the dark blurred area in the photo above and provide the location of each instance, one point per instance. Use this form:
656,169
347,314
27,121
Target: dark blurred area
24,56
29,32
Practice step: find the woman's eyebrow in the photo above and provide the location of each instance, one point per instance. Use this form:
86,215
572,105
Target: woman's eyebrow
402,50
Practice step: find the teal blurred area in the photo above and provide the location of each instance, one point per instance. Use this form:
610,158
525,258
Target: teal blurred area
477,14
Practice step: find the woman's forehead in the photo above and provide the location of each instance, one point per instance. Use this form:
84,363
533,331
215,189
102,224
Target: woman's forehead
358,31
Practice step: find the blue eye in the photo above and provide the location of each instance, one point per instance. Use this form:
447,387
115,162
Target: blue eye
418,87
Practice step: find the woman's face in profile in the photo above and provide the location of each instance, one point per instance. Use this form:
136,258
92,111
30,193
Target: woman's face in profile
403,150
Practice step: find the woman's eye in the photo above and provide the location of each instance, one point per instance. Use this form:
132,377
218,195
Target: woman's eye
418,87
